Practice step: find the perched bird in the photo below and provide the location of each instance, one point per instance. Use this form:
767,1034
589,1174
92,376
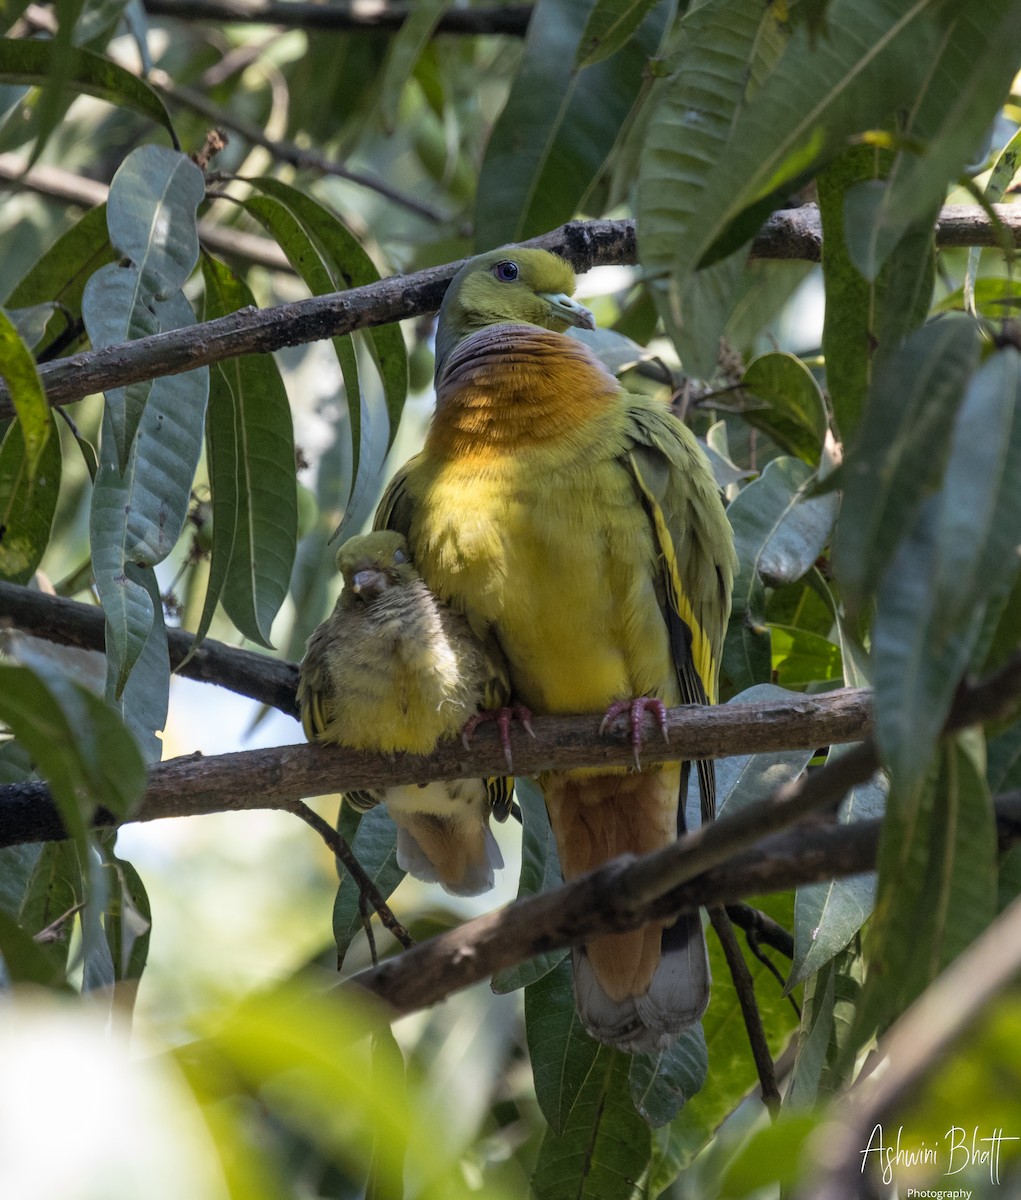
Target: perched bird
579,527
393,669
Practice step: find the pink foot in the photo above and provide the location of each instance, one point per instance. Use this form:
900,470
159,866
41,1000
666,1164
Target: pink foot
503,718
636,709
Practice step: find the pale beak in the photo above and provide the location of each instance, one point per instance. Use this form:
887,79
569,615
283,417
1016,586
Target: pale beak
568,309
369,583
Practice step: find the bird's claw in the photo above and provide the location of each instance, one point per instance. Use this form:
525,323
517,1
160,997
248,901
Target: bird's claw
636,710
503,718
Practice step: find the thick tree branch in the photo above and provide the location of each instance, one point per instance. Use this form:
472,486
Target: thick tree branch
268,680
506,19
586,244
271,778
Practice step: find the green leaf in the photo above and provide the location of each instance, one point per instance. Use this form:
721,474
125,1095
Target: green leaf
32,62
406,47
561,1052
901,449
138,514
351,267
816,95
795,414
30,323
801,657
540,871
937,882
863,319
151,215
127,922
52,103
662,1083
17,367
966,80
980,517
771,1156
726,50
1000,178
78,743
609,25
778,534
558,126
605,1147
743,778
26,506
828,915
250,447
22,960
373,838
145,699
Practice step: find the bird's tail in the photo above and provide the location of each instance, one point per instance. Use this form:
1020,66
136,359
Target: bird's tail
637,990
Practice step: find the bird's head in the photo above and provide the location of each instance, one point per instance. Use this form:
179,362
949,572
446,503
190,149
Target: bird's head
375,562
514,285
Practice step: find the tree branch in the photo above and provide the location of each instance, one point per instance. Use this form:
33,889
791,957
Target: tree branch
511,20
586,244
270,778
267,680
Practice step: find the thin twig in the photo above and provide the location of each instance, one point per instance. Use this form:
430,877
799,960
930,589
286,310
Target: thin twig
336,842
744,985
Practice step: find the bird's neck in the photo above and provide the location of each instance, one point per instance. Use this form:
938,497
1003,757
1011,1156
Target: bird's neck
509,388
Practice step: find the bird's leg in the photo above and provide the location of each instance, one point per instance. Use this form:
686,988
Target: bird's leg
636,709
503,718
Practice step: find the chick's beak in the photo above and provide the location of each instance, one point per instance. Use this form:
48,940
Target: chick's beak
369,583
568,309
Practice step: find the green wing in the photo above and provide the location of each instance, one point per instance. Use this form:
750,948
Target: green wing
697,561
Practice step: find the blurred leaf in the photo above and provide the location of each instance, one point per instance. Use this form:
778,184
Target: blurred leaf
605,1143
937,882
966,79
801,657
610,23
22,960
770,1156
373,838
52,104
795,415
26,507
828,915
561,1052
540,871
406,45
559,125
137,516
1000,178
60,275
742,779
17,367
32,61
901,449
250,449
661,1083
30,323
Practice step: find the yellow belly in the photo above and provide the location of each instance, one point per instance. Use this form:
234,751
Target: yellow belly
562,566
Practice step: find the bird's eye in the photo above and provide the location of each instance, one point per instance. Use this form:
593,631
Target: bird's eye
400,556
506,271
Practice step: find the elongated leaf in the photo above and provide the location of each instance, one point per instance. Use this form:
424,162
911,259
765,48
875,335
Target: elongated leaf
865,319
828,915
609,25
937,882
350,266
77,742
726,50
1000,178
605,1146
144,701
405,49
22,960
52,104
17,367
964,87
29,61
980,517
559,125
561,1052
250,444
662,1083
901,449
137,515
61,273
744,778
540,871
801,657
795,414
26,506
373,838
